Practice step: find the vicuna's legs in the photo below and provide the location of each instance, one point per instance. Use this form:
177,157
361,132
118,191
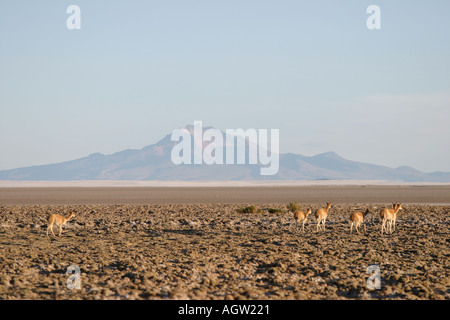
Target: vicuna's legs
318,226
382,225
50,226
386,225
356,227
297,223
321,224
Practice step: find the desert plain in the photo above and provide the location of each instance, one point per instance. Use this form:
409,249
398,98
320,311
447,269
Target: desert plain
195,243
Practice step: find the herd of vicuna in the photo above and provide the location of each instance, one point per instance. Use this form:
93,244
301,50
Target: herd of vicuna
388,218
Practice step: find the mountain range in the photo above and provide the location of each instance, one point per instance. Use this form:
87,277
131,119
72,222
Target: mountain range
153,162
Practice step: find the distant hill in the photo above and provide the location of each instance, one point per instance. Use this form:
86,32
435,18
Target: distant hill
153,162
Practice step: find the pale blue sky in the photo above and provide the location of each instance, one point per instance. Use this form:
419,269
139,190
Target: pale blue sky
139,69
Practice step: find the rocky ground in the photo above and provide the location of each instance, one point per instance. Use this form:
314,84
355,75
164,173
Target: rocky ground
211,251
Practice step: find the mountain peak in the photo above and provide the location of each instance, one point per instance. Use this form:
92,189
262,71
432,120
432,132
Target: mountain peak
96,154
329,155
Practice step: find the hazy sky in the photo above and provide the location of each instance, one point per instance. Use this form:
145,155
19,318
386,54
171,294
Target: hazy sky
139,69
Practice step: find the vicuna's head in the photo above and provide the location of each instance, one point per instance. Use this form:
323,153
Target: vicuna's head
398,207
308,212
328,205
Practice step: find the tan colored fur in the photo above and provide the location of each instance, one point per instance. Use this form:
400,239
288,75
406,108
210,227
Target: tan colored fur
388,217
356,219
321,216
300,216
58,219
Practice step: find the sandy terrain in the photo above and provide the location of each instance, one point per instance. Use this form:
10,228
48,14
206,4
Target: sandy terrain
168,249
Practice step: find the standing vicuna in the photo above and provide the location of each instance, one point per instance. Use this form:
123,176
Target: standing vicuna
356,219
384,212
58,219
389,216
321,216
300,216
399,206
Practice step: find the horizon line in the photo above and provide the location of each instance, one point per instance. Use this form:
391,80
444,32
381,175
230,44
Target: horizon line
205,183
